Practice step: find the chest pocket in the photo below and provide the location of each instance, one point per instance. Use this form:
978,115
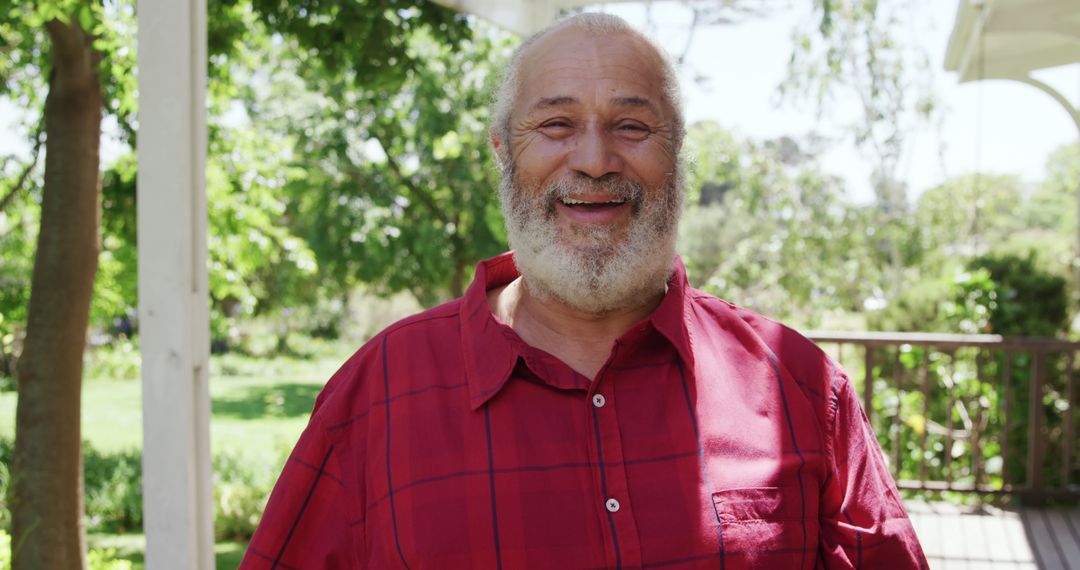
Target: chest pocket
767,527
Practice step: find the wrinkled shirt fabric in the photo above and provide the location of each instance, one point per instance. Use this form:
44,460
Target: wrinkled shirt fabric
711,438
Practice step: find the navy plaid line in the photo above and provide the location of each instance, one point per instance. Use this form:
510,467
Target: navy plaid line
528,469
813,391
660,458
423,481
474,312
794,444
356,522
603,482
348,422
491,477
303,507
531,468
701,461
389,478
415,321
412,392
315,468
858,551
268,558
858,542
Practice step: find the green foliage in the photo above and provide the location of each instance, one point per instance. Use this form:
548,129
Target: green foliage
1027,300
395,190
28,53
105,559
1002,294
113,491
367,40
116,283
5,548
7,448
781,238
240,495
964,217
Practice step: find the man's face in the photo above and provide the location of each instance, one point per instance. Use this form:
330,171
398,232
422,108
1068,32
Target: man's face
591,193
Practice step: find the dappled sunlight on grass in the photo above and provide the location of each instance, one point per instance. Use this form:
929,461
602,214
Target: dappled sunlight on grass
272,400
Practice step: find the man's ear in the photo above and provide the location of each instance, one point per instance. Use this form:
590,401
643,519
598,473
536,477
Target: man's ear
498,146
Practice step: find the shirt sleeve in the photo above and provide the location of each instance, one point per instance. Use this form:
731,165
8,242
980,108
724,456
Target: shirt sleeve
305,524
863,522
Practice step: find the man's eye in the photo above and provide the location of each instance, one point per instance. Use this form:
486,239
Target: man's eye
632,130
557,128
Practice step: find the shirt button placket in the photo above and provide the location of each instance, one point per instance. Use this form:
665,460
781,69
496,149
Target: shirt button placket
613,478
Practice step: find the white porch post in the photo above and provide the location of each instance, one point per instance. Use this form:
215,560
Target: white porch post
173,298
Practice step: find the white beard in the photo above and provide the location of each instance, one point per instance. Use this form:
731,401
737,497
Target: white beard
595,270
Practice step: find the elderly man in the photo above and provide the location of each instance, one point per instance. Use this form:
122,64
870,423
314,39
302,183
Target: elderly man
581,406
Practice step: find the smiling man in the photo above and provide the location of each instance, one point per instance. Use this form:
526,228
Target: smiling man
581,406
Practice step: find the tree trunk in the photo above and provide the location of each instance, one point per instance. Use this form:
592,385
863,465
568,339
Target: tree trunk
47,506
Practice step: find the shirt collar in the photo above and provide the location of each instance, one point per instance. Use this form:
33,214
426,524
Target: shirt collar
490,349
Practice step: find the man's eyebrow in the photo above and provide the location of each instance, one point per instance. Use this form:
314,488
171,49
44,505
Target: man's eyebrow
635,101
555,101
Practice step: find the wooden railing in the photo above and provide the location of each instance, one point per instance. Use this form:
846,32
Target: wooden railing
969,413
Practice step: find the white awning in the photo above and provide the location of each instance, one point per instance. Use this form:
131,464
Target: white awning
1009,39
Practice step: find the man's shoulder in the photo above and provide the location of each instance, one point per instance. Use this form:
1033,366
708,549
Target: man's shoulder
804,359
359,380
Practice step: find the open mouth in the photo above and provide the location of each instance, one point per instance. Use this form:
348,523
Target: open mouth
592,206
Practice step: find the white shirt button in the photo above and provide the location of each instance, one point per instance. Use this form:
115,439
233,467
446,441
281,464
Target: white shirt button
612,505
598,400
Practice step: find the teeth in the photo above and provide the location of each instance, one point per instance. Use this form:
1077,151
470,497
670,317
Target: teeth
573,202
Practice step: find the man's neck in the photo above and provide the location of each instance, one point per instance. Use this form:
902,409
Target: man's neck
580,339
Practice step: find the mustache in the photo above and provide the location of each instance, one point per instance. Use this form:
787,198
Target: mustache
578,185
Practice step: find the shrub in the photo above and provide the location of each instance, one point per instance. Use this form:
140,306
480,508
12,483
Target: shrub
240,494
113,492
105,559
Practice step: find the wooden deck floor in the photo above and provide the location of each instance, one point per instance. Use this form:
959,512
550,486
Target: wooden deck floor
958,537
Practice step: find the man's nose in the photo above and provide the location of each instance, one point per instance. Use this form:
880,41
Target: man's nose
594,154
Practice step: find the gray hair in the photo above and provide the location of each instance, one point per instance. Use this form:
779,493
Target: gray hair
598,24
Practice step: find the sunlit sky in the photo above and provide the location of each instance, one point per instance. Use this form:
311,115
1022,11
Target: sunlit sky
1016,130
992,126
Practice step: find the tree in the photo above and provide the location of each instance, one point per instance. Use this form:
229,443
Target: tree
86,50
68,42
395,190
964,217
854,58
780,238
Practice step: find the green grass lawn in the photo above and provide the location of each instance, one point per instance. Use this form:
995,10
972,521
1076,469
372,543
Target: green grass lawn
259,407
131,547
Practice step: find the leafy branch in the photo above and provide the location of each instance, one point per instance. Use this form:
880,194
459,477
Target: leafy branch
20,181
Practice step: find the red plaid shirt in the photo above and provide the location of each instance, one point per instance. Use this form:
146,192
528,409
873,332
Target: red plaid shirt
712,438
